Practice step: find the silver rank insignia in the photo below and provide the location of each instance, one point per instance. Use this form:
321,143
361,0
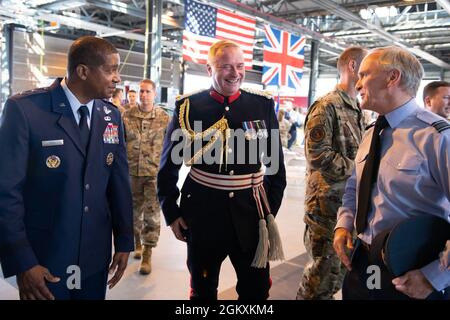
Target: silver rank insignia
53,162
107,111
109,158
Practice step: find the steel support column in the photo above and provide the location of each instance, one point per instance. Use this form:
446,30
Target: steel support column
6,62
314,73
153,33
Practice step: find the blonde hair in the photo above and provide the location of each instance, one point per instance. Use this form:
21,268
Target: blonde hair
218,47
411,69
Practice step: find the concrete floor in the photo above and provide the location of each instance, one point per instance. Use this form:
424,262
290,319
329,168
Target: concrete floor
169,279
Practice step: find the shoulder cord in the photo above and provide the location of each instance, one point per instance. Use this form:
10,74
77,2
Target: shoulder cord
218,131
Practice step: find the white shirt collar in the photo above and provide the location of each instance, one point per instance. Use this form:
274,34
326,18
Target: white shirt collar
74,102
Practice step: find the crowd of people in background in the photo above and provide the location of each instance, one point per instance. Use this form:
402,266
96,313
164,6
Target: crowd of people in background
290,120
79,170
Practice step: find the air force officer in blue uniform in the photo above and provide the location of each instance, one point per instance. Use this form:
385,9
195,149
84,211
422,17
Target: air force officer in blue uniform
64,187
401,171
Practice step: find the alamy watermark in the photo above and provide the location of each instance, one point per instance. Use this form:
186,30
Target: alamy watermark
74,279
245,147
374,280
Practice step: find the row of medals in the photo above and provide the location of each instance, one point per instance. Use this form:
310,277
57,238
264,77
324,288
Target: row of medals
259,133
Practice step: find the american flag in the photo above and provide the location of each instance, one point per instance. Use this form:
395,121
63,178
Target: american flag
283,58
204,25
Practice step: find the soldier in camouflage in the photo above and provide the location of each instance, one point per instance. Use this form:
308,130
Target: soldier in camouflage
333,131
132,102
145,127
284,125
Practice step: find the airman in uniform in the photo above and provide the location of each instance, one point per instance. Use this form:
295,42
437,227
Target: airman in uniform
333,131
117,97
401,172
132,101
145,126
285,126
436,98
64,188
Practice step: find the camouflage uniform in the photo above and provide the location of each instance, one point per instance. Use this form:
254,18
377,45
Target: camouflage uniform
285,126
126,107
333,131
145,135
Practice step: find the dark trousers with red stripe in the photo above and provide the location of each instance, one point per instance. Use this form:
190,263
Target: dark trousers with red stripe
204,266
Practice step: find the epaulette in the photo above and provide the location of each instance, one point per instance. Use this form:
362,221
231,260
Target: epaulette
109,103
330,98
33,91
441,125
433,120
181,97
258,92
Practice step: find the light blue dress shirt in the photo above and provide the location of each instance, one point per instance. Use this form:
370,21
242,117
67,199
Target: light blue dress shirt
413,178
75,104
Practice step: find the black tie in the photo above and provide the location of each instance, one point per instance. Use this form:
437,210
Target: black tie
84,128
369,175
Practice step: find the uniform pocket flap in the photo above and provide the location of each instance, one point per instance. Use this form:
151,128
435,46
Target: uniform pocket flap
402,162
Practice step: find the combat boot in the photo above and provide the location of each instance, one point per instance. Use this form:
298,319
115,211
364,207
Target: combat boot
137,247
146,261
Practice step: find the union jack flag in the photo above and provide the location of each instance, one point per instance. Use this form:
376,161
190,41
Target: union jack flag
283,58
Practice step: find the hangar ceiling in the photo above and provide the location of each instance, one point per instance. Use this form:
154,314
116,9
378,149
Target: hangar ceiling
422,26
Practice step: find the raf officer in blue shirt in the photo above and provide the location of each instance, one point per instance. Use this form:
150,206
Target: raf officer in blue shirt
413,177
65,189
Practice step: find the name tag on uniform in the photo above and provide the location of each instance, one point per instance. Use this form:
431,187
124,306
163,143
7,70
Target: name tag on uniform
51,143
111,134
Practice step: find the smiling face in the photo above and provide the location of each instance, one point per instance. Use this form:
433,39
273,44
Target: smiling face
439,102
102,80
227,70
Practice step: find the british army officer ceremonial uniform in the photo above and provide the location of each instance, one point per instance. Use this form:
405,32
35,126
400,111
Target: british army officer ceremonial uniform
222,222
60,203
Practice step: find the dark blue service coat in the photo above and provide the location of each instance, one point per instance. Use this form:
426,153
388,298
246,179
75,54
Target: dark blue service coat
216,217
60,204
